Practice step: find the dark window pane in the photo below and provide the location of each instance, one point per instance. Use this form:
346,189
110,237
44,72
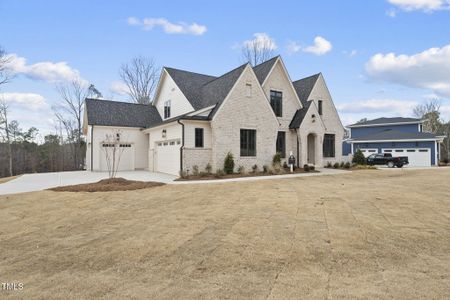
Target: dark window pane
248,142
329,145
281,143
199,137
320,107
276,101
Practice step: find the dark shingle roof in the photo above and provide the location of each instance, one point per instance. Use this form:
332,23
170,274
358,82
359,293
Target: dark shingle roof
263,69
190,85
204,90
114,113
299,116
381,121
304,86
393,135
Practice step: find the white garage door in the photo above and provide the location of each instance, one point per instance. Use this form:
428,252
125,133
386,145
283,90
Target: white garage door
368,152
416,157
168,156
124,157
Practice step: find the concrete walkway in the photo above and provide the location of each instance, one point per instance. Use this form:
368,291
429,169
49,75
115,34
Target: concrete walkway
322,171
42,181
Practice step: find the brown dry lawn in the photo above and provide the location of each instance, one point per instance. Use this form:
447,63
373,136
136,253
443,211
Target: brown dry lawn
366,234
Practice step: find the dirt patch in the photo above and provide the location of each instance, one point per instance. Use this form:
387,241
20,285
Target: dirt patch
108,185
204,176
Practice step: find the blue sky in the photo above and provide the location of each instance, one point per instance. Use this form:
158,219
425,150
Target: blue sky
379,57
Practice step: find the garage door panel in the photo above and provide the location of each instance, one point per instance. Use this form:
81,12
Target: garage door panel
124,157
416,157
168,157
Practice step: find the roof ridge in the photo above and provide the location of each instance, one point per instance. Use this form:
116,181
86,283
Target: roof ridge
123,102
219,77
317,74
189,72
275,57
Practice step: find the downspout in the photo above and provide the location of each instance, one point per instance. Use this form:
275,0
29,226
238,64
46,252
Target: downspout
298,150
182,145
92,147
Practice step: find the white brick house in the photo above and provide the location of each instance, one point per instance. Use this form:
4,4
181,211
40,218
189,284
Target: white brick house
196,119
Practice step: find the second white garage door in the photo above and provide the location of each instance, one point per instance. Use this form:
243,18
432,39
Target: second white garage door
168,157
416,157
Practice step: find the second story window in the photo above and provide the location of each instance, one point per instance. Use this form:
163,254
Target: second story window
167,109
198,137
320,106
276,101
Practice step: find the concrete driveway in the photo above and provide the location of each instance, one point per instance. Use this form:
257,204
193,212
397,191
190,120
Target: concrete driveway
42,181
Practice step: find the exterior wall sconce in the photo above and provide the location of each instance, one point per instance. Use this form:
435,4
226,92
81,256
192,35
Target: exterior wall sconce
164,133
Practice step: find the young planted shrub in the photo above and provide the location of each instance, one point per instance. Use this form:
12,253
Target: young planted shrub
228,165
336,165
306,168
285,165
342,165
359,158
265,168
195,170
208,168
276,160
219,173
241,170
183,174
329,165
347,165
312,167
255,168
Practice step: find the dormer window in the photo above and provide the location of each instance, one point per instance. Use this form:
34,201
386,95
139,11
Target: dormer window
167,109
276,101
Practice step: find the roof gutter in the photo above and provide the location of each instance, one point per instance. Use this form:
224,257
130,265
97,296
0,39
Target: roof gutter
92,146
182,145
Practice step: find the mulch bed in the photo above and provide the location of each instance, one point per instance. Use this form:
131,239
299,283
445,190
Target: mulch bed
108,185
237,175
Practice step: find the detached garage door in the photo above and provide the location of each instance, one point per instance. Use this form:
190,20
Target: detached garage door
124,156
416,157
168,157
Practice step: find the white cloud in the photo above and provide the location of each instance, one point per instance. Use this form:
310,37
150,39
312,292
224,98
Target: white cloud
47,71
351,53
29,101
293,47
371,106
168,27
118,87
261,39
391,13
423,5
320,47
429,69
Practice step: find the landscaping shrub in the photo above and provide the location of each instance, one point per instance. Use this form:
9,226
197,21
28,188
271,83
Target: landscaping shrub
228,165
359,158
219,173
183,174
203,174
312,168
329,165
276,160
342,165
446,161
285,165
208,168
265,168
347,165
306,168
241,169
336,165
255,168
195,170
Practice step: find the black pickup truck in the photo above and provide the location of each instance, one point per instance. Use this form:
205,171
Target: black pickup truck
387,159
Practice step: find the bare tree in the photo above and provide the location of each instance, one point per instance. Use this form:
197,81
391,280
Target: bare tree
141,76
4,131
113,150
430,113
5,74
70,112
257,51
